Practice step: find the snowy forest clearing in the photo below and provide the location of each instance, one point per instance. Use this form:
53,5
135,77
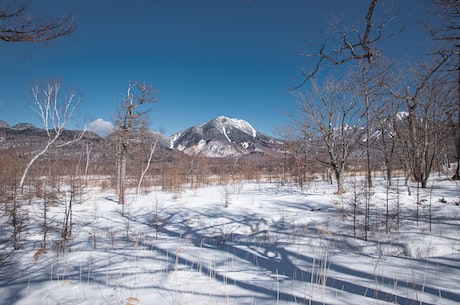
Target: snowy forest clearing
243,243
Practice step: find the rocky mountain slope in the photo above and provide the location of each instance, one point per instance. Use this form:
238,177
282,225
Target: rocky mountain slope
223,137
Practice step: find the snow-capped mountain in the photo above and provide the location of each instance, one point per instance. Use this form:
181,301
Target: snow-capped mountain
220,137
223,137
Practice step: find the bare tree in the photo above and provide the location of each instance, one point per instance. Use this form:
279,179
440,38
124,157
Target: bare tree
448,32
355,45
129,120
331,125
387,119
55,110
428,105
369,90
10,213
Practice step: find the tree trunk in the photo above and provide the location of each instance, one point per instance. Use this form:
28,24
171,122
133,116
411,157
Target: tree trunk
16,223
340,180
413,149
147,166
122,178
368,135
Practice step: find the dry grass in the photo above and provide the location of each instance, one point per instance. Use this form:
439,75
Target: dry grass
133,301
38,254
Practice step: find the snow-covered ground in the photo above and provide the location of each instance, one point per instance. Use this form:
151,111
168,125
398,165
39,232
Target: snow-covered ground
244,243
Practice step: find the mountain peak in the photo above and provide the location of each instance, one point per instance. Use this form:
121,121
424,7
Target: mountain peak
222,137
224,122
22,126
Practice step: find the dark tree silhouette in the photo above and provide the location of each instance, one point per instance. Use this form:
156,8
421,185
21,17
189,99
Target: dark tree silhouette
18,25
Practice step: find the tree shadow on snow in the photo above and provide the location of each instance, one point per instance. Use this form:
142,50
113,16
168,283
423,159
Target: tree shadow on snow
278,261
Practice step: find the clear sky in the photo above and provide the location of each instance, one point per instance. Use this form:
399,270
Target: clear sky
205,57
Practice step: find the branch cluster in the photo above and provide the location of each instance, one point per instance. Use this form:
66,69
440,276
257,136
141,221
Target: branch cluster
352,46
17,25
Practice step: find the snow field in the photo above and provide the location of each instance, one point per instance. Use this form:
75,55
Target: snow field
244,243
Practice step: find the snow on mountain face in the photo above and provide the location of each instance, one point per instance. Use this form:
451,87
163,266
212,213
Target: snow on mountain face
4,124
221,137
173,139
213,149
224,123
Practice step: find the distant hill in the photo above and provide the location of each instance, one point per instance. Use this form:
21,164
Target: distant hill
26,139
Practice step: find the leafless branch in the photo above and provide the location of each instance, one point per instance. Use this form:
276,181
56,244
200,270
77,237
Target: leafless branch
16,25
351,47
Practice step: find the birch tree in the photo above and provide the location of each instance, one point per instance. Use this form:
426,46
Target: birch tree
55,110
147,166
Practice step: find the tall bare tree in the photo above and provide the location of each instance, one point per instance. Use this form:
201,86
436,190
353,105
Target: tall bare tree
355,45
369,90
428,106
55,110
331,125
448,32
18,25
129,120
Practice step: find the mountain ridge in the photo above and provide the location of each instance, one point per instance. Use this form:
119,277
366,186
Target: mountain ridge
219,137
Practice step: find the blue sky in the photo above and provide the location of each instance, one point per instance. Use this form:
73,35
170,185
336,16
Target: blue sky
205,57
